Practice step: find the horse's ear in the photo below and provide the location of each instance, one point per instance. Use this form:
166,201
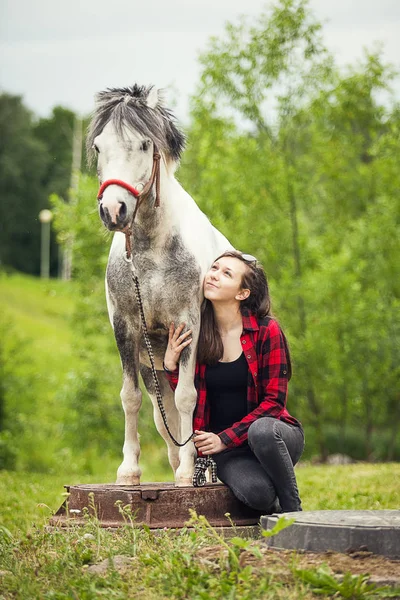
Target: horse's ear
152,98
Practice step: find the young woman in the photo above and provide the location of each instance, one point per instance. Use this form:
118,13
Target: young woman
243,368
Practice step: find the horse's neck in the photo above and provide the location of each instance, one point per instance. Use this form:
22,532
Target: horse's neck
160,222
179,216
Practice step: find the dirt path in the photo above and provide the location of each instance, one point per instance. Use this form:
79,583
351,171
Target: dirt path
383,571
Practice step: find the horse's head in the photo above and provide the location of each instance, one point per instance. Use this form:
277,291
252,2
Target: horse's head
127,125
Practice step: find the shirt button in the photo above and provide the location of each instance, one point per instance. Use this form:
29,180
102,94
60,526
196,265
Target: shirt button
243,341
255,374
249,356
284,372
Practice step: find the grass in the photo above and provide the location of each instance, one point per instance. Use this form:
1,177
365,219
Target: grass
42,310
38,344
56,564
360,486
37,315
38,562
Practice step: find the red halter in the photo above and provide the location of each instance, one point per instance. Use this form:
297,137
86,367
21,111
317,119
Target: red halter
119,182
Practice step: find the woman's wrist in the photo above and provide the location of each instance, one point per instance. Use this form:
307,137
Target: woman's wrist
169,368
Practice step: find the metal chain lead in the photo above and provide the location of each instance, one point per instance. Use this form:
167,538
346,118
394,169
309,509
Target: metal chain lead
202,464
151,357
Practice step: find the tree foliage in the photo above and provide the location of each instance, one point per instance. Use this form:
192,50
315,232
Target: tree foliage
35,161
295,161
23,163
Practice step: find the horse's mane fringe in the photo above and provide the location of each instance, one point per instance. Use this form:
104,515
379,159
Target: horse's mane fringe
128,107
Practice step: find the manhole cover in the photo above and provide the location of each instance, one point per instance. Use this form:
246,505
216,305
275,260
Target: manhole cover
154,504
377,531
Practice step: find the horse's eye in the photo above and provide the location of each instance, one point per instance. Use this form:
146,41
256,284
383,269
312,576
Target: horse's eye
96,148
145,145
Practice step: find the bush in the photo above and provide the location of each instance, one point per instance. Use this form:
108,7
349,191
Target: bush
351,442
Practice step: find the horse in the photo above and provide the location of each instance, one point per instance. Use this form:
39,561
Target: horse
160,233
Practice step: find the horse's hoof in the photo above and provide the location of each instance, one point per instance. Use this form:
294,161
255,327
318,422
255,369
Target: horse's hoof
184,482
128,480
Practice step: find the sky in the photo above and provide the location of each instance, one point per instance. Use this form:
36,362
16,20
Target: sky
62,53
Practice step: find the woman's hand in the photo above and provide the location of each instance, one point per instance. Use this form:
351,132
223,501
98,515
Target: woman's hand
177,341
208,443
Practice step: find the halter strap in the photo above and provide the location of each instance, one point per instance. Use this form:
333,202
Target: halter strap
119,182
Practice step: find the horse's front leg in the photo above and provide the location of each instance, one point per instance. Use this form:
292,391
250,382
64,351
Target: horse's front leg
185,401
171,413
129,472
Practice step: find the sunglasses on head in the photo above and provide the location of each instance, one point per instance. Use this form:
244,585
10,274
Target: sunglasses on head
249,258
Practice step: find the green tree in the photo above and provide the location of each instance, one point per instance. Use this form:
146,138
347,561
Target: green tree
23,164
56,132
345,154
269,68
35,161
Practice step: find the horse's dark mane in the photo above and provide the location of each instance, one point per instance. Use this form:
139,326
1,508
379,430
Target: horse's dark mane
127,107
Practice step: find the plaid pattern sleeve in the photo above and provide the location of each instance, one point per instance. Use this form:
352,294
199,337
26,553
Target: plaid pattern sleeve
268,379
172,377
201,415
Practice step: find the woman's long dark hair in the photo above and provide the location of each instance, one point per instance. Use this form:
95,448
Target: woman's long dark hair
210,348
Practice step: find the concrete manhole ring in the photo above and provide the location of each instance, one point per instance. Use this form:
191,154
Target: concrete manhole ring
377,531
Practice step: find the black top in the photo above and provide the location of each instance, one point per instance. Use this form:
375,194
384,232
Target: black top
226,384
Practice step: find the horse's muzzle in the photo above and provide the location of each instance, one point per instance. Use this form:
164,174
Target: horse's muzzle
114,216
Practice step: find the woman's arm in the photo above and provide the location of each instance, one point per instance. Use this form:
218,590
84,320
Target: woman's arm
177,341
272,384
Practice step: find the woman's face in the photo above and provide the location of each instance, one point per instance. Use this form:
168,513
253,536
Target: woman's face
223,282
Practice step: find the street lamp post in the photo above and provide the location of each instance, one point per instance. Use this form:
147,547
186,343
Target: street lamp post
45,217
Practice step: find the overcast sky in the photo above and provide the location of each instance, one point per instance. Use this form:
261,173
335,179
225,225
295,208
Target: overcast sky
54,52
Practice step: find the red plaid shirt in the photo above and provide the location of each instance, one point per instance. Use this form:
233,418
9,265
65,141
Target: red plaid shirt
265,352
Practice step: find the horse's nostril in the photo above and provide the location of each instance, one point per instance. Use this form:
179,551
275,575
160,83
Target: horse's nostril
122,211
102,213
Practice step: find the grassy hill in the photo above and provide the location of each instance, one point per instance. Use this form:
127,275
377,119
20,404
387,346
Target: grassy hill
40,311
37,355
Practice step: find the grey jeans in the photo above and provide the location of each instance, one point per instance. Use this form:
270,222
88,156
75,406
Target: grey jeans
261,471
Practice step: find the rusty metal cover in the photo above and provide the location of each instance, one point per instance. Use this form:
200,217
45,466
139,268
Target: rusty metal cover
154,504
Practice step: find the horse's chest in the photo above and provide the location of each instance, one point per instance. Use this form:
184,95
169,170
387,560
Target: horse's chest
169,285
170,292
162,302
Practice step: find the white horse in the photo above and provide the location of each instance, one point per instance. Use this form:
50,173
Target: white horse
173,244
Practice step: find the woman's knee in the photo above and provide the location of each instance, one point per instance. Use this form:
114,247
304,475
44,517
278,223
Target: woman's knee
261,432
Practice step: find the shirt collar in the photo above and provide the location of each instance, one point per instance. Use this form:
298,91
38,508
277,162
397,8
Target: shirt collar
249,321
